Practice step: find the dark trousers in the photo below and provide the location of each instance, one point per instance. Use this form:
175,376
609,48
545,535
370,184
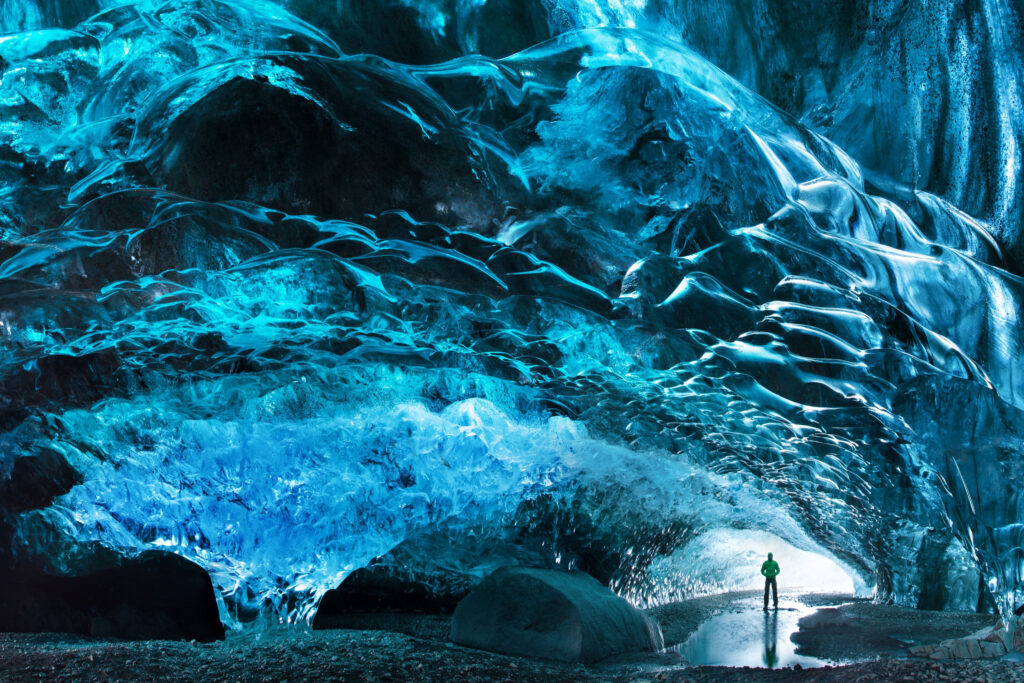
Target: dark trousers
770,583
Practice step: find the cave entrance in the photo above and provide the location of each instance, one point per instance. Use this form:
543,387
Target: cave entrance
724,565
726,560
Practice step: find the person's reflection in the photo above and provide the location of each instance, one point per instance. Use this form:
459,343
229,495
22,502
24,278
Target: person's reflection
771,636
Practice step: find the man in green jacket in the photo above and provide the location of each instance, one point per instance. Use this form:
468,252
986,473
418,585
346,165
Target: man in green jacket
769,570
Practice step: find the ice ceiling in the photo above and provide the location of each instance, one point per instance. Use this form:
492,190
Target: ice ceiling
294,286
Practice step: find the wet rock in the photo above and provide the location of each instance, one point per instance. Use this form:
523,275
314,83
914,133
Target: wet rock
567,616
998,634
957,648
991,650
155,596
989,642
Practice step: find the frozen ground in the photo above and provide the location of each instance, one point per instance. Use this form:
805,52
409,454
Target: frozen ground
415,647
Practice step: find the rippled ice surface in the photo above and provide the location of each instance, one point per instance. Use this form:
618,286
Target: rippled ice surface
287,305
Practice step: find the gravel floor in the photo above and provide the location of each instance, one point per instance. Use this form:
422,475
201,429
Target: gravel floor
414,647
863,630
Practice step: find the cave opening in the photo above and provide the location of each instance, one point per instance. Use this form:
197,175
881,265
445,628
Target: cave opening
729,560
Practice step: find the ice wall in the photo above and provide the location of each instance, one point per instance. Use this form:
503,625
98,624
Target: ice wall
285,303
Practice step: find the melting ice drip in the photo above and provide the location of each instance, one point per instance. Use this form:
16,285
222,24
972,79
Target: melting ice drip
285,307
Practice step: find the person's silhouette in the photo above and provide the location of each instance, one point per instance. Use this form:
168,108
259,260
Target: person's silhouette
771,637
769,570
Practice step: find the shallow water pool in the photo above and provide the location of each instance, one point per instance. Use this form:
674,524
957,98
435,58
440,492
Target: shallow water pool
748,636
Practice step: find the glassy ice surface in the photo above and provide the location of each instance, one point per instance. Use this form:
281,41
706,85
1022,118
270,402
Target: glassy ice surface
295,286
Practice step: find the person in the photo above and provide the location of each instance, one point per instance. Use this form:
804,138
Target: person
769,570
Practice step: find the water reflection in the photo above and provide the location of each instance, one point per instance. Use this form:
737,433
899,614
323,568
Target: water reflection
746,636
771,638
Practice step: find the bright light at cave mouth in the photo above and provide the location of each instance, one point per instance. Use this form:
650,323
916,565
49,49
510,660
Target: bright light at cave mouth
730,560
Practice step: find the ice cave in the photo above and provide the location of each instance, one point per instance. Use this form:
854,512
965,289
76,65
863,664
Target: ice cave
308,301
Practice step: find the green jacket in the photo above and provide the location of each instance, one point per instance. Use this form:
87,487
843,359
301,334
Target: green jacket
770,568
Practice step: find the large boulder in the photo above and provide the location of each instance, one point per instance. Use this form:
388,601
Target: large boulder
549,614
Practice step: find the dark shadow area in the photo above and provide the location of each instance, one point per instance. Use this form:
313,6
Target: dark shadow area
155,596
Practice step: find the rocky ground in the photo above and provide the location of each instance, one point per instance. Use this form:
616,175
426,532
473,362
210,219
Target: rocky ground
864,630
386,647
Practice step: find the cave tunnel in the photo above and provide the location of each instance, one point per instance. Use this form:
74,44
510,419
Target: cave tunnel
302,297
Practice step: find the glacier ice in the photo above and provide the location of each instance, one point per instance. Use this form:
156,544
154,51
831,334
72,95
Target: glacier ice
292,284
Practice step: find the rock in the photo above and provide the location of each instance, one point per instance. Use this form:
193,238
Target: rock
992,649
155,596
957,648
988,642
999,634
1007,637
548,614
